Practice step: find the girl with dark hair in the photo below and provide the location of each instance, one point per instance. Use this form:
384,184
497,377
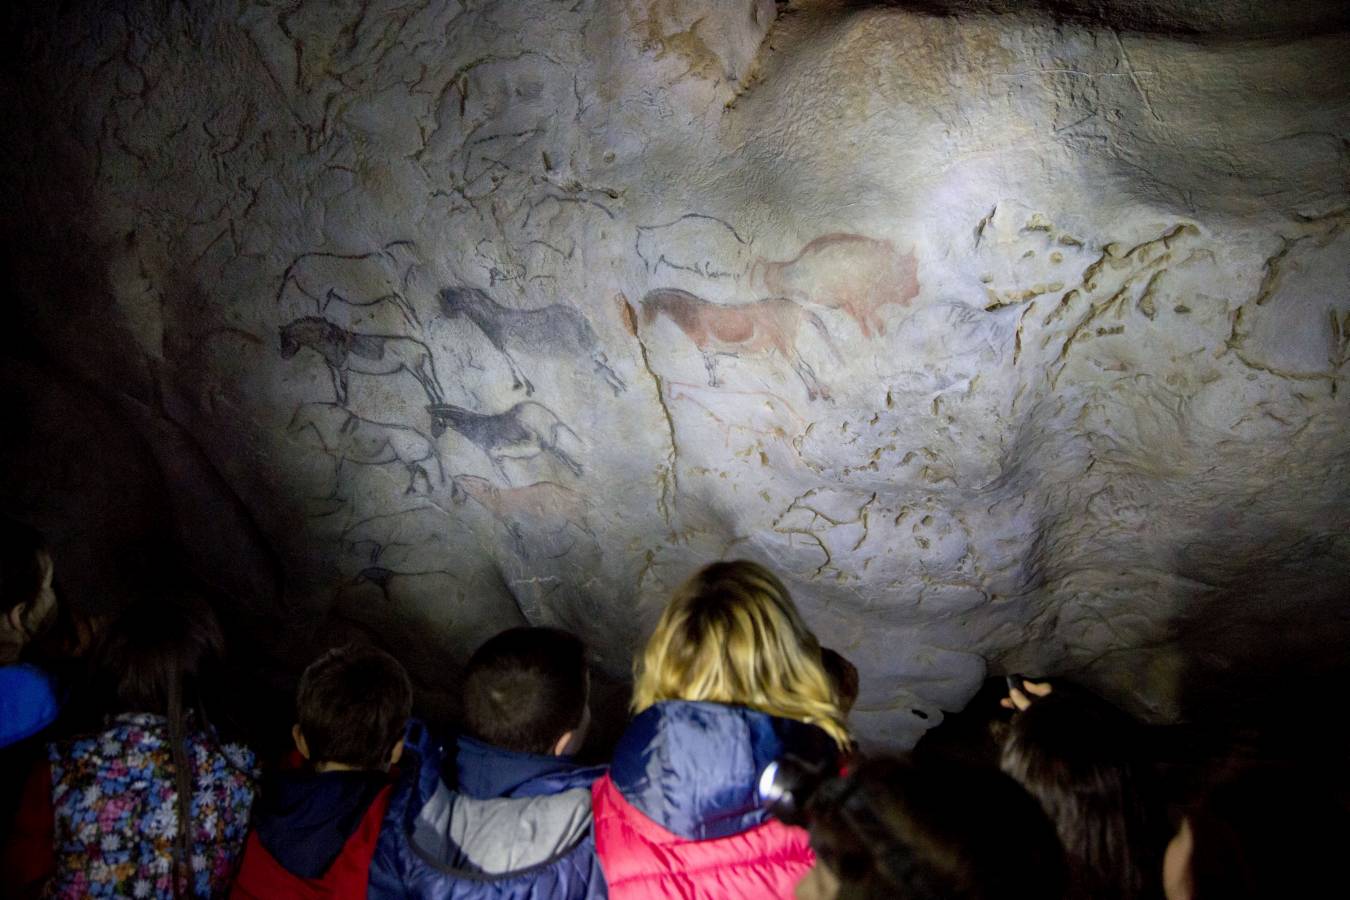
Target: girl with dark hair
900,829
1080,758
154,805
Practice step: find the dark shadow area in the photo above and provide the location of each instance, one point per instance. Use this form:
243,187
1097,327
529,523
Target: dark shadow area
1186,18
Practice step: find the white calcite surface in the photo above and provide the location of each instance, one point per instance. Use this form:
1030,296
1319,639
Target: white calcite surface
1013,344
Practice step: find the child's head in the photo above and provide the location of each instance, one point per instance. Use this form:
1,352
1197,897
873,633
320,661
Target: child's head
156,653
353,706
27,599
732,634
843,677
928,830
527,689
1080,758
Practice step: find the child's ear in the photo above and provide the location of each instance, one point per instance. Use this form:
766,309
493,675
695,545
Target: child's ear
299,737
397,753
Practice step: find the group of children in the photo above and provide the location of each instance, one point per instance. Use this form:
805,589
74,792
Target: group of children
736,777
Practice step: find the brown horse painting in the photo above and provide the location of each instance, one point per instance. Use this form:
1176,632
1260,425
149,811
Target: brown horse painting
760,328
854,274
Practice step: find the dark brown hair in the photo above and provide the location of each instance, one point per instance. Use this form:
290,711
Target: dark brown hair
525,688
154,659
933,830
353,706
1081,758
843,677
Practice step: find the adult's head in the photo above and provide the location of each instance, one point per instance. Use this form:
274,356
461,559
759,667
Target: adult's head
353,707
1260,832
527,690
27,598
732,634
1080,758
899,828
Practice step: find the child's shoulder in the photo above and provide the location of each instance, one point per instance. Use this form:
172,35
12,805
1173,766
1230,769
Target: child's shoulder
28,702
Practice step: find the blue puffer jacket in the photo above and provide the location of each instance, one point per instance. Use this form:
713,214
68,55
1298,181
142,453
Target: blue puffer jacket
441,844
485,772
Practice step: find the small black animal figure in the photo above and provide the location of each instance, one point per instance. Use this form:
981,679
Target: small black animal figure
366,354
524,431
556,330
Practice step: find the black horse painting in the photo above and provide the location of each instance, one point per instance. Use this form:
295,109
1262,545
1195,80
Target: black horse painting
366,354
556,330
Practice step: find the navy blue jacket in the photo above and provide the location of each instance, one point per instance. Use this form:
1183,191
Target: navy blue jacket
522,830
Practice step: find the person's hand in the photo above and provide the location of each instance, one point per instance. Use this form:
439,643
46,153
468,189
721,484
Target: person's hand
1020,700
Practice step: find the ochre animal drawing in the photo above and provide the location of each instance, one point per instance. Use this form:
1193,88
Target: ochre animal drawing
348,438
747,329
857,275
544,508
362,279
366,354
524,431
554,330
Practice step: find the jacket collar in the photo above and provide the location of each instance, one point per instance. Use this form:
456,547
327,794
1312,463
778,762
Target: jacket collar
304,820
694,767
485,771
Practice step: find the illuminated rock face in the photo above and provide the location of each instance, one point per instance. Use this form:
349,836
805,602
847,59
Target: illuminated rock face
1010,344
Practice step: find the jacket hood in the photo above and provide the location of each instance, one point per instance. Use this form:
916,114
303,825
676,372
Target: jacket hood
693,767
305,820
500,837
486,772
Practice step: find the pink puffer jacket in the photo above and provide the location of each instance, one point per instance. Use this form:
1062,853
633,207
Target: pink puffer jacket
679,816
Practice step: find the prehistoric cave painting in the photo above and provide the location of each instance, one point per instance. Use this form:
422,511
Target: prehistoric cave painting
524,431
366,354
349,438
696,243
364,280
555,330
543,509
408,541
758,328
852,273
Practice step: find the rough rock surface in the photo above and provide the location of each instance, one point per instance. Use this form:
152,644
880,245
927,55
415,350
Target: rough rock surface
1013,342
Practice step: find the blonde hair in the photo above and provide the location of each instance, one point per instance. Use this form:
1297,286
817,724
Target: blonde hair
731,634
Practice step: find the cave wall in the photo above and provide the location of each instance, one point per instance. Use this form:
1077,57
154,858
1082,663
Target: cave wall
1012,335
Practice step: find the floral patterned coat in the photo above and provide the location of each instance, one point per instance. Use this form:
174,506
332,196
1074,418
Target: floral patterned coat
115,811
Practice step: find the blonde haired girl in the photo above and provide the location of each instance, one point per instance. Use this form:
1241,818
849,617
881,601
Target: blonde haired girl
730,680
732,634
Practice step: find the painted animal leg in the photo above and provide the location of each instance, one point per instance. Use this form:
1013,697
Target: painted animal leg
566,460
425,373
415,469
710,363
519,376
339,383
814,386
611,377
406,307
